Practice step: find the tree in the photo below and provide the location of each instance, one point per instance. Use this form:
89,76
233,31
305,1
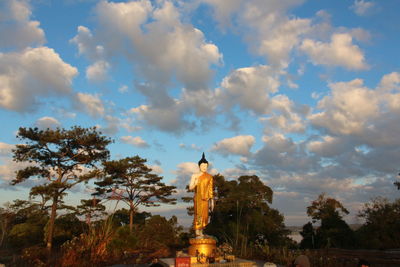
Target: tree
131,181
381,229
308,235
25,223
121,217
324,207
91,209
333,230
61,158
242,216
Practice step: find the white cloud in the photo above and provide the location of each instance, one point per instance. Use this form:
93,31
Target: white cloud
156,169
390,82
97,72
47,123
348,109
265,25
169,119
184,172
134,30
16,28
329,146
249,88
185,54
135,141
9,168
285,117
362,8
280,153
87,44
123,89
239,145
5,149
340,52
91,104
22,83
236,172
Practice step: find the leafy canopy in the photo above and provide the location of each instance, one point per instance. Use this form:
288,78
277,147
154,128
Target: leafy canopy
132,182
61,157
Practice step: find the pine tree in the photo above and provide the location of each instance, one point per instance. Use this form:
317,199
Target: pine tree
61,159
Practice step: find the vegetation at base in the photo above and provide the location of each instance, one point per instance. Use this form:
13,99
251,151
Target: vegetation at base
44,231
243,218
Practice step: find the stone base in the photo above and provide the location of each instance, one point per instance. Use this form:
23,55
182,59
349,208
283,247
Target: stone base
170,262
202,247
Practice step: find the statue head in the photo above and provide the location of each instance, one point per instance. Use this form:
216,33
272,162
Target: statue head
203,163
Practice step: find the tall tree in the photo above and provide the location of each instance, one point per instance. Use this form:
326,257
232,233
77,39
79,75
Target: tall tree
61,158
92,209
324,207
242,215
381,229
131,181
333,230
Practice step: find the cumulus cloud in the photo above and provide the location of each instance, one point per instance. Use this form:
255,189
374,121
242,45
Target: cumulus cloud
5,149
156,169
17,29
237,171
249,88
359,126
184,172
134,31
23,84
281,153
238,145
268,30
123,89
285,117
362,8
166,119
185,52
97,72
87,44
339,52
348,109
135,141
47,123
91,104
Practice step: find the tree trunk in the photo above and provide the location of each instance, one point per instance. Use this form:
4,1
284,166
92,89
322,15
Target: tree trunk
51,223
131,213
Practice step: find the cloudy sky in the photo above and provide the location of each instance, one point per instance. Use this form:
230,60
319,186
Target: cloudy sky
304,94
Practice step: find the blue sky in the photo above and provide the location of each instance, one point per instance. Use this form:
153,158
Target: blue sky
304,94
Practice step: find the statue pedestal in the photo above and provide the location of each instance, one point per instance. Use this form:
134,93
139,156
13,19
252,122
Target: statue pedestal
202,246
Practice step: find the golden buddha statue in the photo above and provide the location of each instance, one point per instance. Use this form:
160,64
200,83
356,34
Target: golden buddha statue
202,184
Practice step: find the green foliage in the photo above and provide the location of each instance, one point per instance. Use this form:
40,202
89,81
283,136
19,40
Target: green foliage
397,184
324,207
26,221
308,234
131,181
26,234
61,158
242,216
158,231
92,209
333,230
121,217
66,228
381,229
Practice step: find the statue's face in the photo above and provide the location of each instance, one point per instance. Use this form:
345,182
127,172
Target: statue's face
203,167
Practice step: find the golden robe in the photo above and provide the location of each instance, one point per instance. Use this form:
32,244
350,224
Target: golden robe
203,193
